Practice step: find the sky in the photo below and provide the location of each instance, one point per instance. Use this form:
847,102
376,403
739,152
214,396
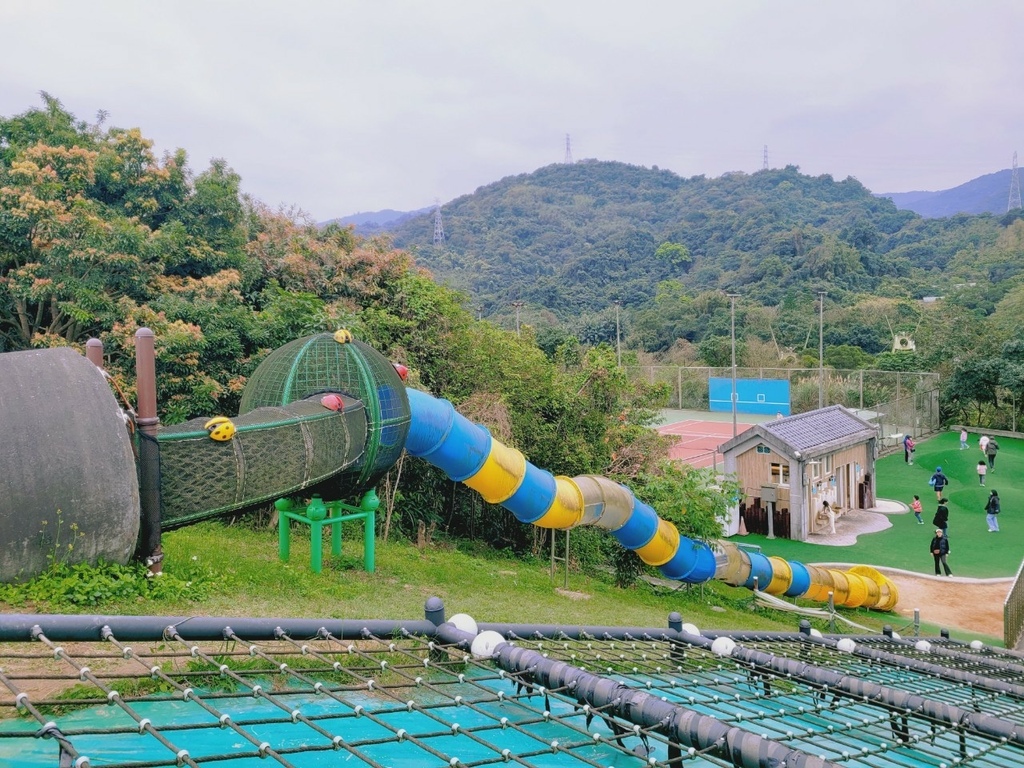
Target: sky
344,106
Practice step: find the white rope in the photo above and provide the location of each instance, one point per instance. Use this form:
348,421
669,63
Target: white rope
770,601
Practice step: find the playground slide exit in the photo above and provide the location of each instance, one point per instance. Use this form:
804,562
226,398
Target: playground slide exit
468,453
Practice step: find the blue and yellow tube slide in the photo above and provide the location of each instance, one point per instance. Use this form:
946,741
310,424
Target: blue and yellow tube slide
467,453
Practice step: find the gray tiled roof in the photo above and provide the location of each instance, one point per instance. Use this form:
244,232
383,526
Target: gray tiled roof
826,426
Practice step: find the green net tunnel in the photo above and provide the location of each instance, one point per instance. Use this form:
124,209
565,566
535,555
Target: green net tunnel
285,440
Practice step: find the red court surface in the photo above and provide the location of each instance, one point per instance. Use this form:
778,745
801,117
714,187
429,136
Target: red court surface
698,441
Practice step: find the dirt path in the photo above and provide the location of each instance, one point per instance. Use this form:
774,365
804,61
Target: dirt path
971,605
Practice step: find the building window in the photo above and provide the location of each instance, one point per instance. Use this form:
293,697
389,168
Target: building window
828,464
763,449
780,473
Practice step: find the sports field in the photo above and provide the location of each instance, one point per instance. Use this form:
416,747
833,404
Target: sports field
700,433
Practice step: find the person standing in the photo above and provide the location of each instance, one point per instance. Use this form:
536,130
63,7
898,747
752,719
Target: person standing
908,449
938,481
963,439
830,514
941,519
991,448
915,505
940,551
991,512
982,469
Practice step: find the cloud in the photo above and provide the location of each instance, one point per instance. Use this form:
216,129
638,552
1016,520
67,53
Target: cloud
340,107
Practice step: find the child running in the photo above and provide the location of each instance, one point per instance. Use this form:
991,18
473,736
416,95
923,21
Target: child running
982,470
915,505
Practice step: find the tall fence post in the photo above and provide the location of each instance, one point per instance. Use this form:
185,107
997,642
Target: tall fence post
149,549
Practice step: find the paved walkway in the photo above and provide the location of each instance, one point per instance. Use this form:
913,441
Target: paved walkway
859,521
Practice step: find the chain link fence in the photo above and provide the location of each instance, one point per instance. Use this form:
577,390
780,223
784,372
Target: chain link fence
900,402
1013,612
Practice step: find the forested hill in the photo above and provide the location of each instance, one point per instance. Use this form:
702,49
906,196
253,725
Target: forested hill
574,237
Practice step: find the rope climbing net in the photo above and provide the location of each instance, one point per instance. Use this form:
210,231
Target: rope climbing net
388,696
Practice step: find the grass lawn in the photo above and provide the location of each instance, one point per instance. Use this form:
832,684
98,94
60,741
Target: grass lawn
974,551
488,585
491,586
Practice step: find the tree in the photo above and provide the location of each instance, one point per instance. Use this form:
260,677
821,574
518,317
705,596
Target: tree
898,361
66,259
972,387
847,357
676,254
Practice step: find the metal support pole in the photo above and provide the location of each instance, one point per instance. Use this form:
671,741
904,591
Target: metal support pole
821,349
94,352
618,338
564,560
149,549
732,338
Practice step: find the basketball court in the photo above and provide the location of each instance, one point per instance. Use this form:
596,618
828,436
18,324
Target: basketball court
699,433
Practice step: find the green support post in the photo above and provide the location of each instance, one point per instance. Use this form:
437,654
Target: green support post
316,515
369,504
316,545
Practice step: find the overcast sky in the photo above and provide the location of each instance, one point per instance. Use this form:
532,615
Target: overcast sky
342,106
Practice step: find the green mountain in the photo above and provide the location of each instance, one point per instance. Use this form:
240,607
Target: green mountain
572,239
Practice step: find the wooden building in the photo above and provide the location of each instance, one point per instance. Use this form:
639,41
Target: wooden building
786,468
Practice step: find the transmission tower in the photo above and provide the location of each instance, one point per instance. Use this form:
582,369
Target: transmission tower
568,150
1014,201
438,226
764,165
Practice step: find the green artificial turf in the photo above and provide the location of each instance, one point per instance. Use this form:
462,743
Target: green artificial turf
974,551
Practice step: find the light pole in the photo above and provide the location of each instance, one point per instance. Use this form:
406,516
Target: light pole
518,305
618,340
732,339
821,349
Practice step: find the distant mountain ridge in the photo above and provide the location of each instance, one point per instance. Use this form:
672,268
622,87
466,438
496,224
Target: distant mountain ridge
986,194
373,222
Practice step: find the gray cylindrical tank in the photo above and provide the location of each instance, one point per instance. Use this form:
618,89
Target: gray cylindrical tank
67,471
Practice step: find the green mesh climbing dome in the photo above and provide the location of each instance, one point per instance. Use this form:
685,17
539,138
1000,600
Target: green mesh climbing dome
319,364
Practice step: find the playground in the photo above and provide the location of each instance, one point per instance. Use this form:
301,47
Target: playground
903,543
331,415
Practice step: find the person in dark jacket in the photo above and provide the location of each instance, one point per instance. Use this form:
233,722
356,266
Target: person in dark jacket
941,519
938,481
991,512
940,551
991,449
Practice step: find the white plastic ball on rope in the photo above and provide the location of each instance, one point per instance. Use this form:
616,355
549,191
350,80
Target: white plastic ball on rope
485,643
816,632
977,645
923,646
723,646
897,636
465,622
846,645
691,629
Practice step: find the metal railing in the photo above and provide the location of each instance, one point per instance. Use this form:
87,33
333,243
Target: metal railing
1013,612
